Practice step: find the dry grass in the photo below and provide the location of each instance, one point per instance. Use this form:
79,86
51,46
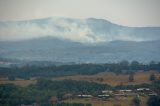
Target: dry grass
108,78
123,101
18,82
113,79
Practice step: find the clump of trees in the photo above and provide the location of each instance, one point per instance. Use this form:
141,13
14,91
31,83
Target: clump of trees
43,91
100,79
136,101
152,77
154,101
131,77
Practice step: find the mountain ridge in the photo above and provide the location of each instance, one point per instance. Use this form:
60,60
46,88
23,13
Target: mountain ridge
47,49
74,40
89,30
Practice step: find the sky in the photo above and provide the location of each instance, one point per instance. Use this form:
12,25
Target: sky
133,13
123,12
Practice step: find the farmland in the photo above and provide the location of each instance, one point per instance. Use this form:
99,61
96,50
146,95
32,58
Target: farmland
104,78
65,83
60,88
113,79
123,101
20,82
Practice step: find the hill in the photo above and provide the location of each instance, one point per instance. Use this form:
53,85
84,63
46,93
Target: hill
78,40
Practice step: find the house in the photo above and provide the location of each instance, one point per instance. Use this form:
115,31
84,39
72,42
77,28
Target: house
107,91
126,94
152,94
119,94
84,96
143,89
104,96
146,91
125,90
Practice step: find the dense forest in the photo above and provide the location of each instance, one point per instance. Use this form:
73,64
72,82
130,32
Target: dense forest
29,71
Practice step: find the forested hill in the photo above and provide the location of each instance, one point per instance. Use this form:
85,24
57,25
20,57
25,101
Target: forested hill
56,50
78,40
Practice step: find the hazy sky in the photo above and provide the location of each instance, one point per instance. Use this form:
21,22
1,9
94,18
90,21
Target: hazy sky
124,12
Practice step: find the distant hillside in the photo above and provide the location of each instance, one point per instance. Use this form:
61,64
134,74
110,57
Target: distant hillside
79,30
50,49
78,40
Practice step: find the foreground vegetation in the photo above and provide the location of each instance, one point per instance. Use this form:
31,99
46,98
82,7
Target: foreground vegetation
43,91
60,85
110,78
46,92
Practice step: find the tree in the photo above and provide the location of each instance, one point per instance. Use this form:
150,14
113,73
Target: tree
100,79
124,63
88,104
136,101
134,65
152,77
131,77
154,101
11,78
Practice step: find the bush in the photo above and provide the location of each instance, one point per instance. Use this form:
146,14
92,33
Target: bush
154,101
152,77
136,101
11,78
131,78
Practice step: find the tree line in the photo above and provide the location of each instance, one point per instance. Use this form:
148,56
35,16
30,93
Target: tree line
124,67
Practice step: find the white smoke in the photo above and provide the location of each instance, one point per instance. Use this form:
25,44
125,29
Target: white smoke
58,28
71,29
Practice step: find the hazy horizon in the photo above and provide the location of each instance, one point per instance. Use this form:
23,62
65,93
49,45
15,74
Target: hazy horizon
20,20
135,13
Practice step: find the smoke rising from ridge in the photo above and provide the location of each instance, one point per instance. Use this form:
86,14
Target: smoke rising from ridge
71,29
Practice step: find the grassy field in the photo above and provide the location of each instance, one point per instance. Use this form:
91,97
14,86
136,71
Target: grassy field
108,78
113,79
120,101
20,82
